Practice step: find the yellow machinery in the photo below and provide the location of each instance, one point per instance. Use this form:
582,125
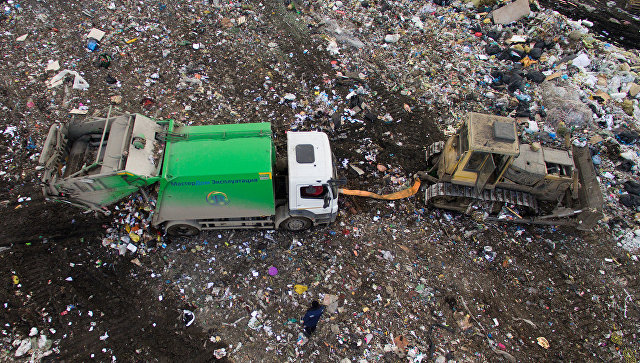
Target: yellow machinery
483,169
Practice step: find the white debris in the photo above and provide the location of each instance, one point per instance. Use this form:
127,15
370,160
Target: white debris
96,34
78,82
332,48
391,38
25,346
582,60
53,66
10,130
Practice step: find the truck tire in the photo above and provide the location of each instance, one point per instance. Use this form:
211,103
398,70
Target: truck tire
182,230
296,224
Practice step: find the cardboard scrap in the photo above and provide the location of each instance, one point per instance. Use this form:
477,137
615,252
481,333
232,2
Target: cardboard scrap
21,38
96,34
604,95
512,12
553,76
595,139
53,66
602,80
400,342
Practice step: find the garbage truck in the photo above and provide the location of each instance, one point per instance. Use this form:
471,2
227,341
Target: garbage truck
484,170
206,176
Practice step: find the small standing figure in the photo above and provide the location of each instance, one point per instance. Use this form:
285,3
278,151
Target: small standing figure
311,318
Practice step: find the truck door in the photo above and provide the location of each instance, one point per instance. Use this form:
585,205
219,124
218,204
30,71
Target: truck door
314,197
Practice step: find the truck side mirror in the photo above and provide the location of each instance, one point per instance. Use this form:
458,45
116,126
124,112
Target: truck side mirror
334,183
337,182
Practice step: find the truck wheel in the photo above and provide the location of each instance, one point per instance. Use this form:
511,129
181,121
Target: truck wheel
296,224
182,230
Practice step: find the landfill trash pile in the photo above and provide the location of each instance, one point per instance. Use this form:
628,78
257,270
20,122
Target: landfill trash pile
34,347
384,79
560,81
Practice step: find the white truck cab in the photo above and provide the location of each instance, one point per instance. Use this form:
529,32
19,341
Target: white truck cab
312,184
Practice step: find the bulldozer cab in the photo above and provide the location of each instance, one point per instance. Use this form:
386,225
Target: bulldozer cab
481,152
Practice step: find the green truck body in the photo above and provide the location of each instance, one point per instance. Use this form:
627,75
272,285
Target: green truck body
207,177
227,167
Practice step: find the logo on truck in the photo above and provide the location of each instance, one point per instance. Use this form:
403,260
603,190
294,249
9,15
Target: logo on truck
217,198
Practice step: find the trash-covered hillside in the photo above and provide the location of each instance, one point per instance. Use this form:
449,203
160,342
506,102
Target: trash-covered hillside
384,79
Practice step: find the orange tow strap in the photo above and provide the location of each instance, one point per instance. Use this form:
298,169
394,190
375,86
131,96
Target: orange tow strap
393,196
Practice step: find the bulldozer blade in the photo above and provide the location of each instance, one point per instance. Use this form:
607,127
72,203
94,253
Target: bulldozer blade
589,195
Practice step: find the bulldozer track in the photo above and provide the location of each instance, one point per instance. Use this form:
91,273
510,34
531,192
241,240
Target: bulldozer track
500,195
434,149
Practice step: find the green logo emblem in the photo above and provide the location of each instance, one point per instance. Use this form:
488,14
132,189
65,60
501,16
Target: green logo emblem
217,198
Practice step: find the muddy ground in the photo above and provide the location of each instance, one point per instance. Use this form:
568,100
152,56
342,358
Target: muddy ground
396,268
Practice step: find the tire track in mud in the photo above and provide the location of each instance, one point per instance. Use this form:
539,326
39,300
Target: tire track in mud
579,295
62,287
419,131
39,220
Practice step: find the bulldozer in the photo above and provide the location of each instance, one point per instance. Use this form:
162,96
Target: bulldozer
483,170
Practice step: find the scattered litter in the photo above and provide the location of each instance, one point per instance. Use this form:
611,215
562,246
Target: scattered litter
542,341
396,76
300,289
78,82
53,66
188,317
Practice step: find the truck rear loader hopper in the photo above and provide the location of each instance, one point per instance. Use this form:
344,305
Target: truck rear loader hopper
95,162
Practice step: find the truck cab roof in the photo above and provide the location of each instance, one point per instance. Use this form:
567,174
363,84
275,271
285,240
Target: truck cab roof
309,156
